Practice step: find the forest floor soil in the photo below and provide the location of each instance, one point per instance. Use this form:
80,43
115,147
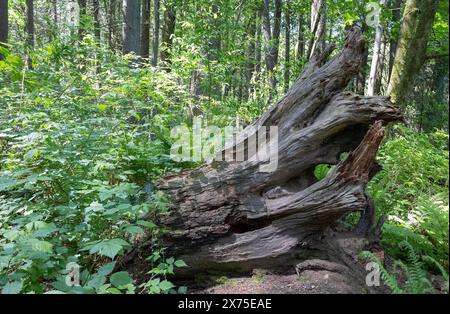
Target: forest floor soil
307,282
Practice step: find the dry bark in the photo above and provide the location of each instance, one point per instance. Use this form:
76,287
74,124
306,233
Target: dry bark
229,215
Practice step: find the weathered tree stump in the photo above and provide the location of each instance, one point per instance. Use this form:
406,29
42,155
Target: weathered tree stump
231,215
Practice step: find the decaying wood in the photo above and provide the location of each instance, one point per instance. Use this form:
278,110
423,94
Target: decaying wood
230,214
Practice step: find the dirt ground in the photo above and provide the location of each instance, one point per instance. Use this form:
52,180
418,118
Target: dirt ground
307,282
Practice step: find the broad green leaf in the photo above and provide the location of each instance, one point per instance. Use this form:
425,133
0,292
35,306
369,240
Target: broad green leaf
120,279
12,287
106,269
96,281
108,248
40,245
12,234
7,184
166,285
147,224
133,229
180,263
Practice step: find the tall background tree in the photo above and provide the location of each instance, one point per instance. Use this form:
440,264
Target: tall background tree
374,82
396,8
82,7
30,23
168,31
271,31
4,27
131,26
145,29
30,31
318,27
411,50
96,15
287,48
156,26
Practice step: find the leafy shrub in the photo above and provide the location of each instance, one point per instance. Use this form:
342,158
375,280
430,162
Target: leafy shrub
80,146
412,190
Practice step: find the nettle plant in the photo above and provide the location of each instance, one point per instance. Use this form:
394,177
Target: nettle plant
78,154
162,267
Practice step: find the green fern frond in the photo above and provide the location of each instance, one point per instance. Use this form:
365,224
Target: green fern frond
387,278
416,276
444,273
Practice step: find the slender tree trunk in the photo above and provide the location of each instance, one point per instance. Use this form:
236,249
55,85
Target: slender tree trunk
287,37
301,38
168,33
440,79
30,31
82,6
421,110
277,29
376,57
251,55
258,47
417,24
55,12
96,15
380,70
360,83
272,38
145,35
194,88
267,32
118,29
30,24
396,7
318,27
131,26
156,32
214,44
4,25
110,9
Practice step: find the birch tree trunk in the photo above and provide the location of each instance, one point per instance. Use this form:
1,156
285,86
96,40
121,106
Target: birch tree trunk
376,57
317,41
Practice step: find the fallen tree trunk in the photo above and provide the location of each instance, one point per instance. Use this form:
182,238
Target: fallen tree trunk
232,215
